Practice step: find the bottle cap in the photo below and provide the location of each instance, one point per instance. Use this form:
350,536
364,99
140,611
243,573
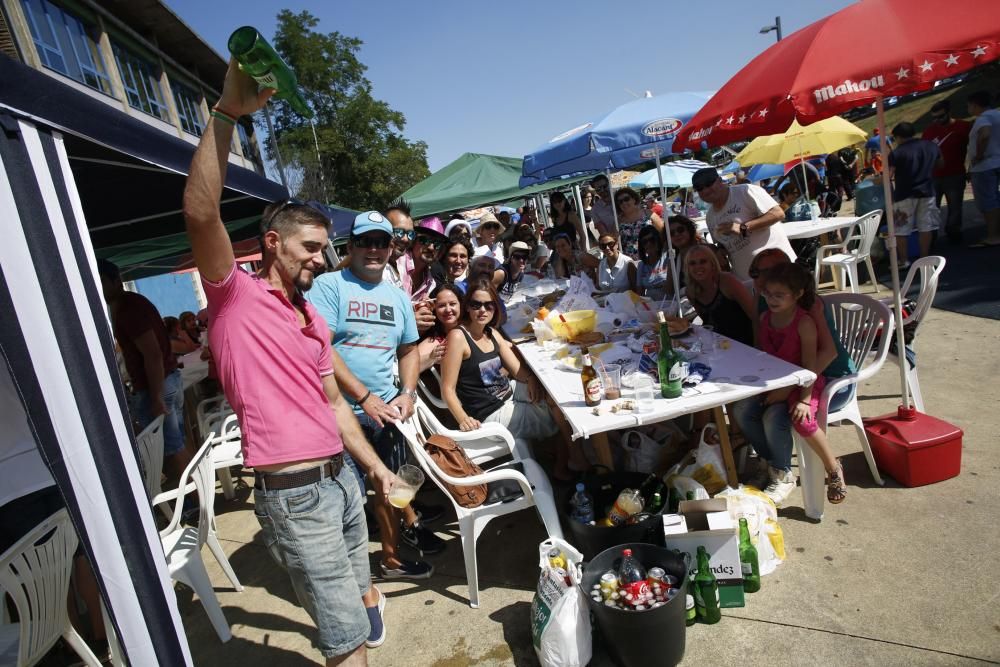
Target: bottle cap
627,552
580,487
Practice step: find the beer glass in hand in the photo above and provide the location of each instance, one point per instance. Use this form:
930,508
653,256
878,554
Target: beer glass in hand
405,486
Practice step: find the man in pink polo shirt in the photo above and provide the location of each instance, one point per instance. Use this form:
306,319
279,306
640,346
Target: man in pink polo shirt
272,350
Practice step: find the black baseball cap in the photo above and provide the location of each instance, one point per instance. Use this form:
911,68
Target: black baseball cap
704,177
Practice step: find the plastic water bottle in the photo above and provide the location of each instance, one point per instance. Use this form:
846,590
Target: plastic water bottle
583,505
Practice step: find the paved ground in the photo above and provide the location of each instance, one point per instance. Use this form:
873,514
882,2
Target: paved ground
894,576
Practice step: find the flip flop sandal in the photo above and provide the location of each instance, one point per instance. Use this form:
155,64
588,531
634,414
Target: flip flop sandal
836,487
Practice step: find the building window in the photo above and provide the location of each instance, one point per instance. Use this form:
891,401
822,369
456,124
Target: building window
245,142
65,44
142,83
188,109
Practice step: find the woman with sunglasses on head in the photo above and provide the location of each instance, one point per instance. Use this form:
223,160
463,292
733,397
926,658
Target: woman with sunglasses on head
567,261
632,218
476,371
720,298
564,219
653,268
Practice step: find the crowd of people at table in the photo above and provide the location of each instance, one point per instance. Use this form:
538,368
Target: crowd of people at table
319,364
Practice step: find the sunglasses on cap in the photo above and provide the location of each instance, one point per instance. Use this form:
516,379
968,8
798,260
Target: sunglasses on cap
376,240
407,234
431,241
481,305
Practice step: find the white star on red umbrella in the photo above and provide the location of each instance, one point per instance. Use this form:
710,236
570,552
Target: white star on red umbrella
926,66
729,121
952,59
902,73
718,122
743,118
762,112
979,51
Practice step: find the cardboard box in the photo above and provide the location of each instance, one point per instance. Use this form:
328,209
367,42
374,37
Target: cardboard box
707,523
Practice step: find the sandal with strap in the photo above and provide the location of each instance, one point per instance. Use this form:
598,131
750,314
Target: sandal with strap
836,487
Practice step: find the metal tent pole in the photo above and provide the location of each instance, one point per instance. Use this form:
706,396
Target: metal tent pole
579,215
670,244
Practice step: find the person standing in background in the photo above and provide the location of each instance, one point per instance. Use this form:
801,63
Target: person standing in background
984,164
952,136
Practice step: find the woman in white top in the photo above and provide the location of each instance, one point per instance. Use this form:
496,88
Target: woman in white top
616,272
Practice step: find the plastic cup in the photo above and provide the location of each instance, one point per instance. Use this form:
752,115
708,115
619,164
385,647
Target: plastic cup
611,376
643,392
405,486
709,341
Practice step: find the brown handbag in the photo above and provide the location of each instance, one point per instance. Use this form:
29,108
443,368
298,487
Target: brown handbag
454,462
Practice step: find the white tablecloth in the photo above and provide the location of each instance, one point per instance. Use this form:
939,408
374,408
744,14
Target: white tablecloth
737,373
195,368
804,229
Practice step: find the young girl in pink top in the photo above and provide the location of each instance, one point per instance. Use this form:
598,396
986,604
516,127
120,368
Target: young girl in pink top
787,332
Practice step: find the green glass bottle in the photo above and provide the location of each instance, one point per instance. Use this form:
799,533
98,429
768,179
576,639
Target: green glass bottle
668,363
749,562
706,590
259,59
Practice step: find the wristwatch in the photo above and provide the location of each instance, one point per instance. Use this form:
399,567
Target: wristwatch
412,393
744,230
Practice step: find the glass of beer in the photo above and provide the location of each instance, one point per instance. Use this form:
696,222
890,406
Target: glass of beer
404,487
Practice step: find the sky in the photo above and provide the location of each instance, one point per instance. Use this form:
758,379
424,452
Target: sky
505,77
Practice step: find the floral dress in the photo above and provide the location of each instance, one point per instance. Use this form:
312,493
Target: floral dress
628,236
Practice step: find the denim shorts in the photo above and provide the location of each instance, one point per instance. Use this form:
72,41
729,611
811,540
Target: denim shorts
317,532
173,421
986,189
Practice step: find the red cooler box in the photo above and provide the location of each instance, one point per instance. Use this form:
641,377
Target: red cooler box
915,449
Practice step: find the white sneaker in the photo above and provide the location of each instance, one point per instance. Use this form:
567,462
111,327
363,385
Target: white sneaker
782,484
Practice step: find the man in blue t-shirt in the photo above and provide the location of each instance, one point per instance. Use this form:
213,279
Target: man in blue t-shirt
373,327
911,167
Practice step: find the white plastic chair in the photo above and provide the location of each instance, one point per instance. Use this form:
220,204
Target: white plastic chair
930,269
227,447
856,248
489,442
433,397
472,521
150,445
205,409
35,572
182,544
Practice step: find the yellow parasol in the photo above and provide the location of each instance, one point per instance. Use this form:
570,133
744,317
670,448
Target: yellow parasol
798,142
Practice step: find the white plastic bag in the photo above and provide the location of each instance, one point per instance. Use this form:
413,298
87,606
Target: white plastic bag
682,484
621,305
762,520
560,620
708,468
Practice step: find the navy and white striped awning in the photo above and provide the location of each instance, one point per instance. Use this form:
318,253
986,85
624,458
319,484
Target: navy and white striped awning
57,344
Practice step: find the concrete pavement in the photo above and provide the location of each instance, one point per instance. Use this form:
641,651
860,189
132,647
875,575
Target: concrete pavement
893,576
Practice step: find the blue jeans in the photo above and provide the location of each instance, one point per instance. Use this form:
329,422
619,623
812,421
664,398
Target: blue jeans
173,421
318,534
768,429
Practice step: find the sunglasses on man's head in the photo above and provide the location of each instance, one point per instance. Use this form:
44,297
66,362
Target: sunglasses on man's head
429,240
278,209
481,305
407,234
378,241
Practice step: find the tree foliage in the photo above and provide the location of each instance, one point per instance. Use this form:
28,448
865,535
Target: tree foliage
364,160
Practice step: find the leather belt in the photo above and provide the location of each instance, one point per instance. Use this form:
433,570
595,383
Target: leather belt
276,481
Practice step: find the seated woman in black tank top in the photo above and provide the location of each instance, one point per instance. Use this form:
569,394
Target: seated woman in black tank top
720,298
476,375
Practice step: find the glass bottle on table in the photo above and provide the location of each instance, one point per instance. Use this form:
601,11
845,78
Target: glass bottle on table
668,362
593,390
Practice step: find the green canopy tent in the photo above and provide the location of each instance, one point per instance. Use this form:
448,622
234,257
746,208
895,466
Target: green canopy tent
474,180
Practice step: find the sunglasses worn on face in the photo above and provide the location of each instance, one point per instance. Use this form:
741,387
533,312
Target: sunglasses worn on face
623,201
407,234
491,225
519,256
608,246
380,241
429,241
481,305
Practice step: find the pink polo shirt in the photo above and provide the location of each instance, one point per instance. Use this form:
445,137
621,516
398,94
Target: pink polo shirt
271,368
